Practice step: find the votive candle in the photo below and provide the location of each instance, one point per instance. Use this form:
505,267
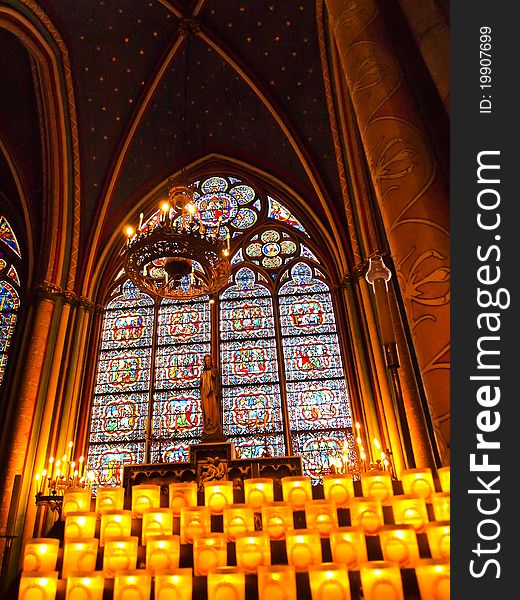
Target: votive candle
120,554
174,583
418,482
276,582
277,519
85,586
348,546
296,490
441,506
209,552
377,484
156,521
433,578
226,583
399,544
253,549
182,494
132,584
321,515
410,510
381,580
109,498
79,556
41,586
339,489
163,552
329,581
79,525
145,496
303,548
194,520
75,499
444,479
258,491
367,513
40,555
217,495
115,524
238,518
438,535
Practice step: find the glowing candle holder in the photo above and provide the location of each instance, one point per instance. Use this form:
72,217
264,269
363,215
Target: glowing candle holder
410,510
303,548
444,479
217,495
433,578
399,544
348,546
109,498
338,489
441,506
115,524
226,583
321,515
80,525
156,521
120,555
377,484
367,513
38,585
209,552
438,535
40,555
82,586
145,496
277,519
182,494
381,580
252,550
418,482
176,583
276,582
163,552
258,491
80,556
328,581
296,491
238,518
132,584
195,520
75,499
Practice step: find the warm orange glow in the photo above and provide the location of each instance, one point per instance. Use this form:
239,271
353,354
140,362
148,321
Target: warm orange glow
209,552
381,579
348,546
303,548
253,549
226,582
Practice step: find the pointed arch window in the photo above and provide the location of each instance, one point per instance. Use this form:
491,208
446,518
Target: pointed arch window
283,382
10,259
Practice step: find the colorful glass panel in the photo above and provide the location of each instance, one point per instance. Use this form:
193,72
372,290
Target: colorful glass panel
251,392
8,237
280,213
118,417
3,264
259,446
214,184
243,193
318,404
245,218
237,258
106,461
167,452
177,414
319,451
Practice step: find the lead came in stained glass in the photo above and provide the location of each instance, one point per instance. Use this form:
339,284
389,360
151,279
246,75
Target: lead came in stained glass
252,409
245,218
107,461
214,184
243,193
251,317
319,451
8,237
177,414
166,452
318,404
178,366
259,446
118,417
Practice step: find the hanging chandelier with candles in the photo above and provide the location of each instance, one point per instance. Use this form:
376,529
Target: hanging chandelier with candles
179,254
176,255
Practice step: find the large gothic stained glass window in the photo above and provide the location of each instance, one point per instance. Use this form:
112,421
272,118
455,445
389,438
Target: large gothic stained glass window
283,382
10,255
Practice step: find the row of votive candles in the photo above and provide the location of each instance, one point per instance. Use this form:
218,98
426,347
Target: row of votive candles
297,491
303,547
328,581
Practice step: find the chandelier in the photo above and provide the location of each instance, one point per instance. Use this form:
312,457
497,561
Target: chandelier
180,254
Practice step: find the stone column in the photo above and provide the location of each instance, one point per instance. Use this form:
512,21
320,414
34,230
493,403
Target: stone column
412,196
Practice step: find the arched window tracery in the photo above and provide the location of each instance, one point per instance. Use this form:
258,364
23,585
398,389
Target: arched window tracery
283,381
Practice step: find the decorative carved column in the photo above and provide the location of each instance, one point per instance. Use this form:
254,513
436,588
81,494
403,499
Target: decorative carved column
432,36
411,194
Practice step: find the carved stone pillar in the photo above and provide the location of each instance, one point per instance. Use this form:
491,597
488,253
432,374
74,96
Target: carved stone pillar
411,193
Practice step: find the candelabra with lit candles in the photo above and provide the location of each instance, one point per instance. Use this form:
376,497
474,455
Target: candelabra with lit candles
60,475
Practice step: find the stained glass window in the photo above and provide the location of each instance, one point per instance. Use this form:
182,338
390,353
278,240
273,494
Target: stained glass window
281,370
316,392
10,254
